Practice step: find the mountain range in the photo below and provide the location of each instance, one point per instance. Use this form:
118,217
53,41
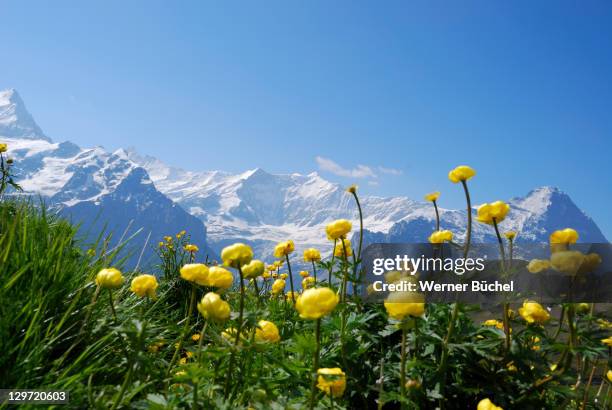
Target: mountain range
123,192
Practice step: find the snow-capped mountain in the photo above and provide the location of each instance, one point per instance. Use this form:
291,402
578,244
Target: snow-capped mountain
100,190
254,206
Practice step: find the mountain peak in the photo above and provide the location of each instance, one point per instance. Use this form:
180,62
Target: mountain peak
15,120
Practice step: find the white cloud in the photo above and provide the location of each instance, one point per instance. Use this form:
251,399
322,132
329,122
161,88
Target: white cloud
360,171
390,171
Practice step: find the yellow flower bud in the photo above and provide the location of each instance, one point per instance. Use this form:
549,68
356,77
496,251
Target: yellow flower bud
461,173
533,312
219,277
284,276
267,332
284,248
493,323
278,286
338,229
3,147
191,248
304,274
195,272
236,255
308,282
510,235
564,236
607,342
433,196
253,269
144,285
266,275
486,404
342,246
109,278
312,255
331,381
402,304
316,302
195,337
496,211
538,265
352,189
441,236
609,375
214,308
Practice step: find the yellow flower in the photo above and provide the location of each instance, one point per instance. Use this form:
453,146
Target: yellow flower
161,244
195,337
290,295
236,255
538,265
284,276
3,147
402,304
567,262
214,308
607,341
312,255
486,404
352,189
493,322
220,278
441,236
332,381
316,302
278,286
433,196
266,275
533,312
168,238
340,248
267,332
304,274
195,272
338,229
564,236
511,367
510,235
535,343
91,252
308,282
191,248
590,263
496,211
274,275
109,278
461,173
609,375
183,360
253,269
283,249
144,285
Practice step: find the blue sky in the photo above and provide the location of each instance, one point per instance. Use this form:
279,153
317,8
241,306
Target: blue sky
390,96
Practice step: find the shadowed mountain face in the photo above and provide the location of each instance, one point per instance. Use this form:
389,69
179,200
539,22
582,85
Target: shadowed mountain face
102,189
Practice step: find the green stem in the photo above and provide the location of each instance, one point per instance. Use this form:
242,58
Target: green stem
468,235
403,367
185,329
331,265
230,368
314,271
290,279
200,342
126,381
345,276
435,204
561,319
360,225
112,305
315,363
257,291
503,266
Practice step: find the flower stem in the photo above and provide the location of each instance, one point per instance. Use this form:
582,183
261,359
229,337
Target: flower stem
435,204
403,367
185,329
112,305
360,225
331,265
314,271
468,235
230,368
290,279
200,342
126,381
315,363
503,266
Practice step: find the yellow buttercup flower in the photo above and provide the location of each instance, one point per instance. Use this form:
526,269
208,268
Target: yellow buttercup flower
352,189
433,196
564,236
191,248
278,286
266,275
441,236
494,323
486,404
253,269
195,272
399,305
284,248
510,235
109,278
567,262
291,295
161,244
308,282
607,342
195,337
220,278
168,238
274,275
533,312
283,276
461,173
304,273
590,263
214,308
538,265
609,375
338,229
267,332
535,343
315,303
496,211
144,285
3,147
312,255
236,255
340,249
332,381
